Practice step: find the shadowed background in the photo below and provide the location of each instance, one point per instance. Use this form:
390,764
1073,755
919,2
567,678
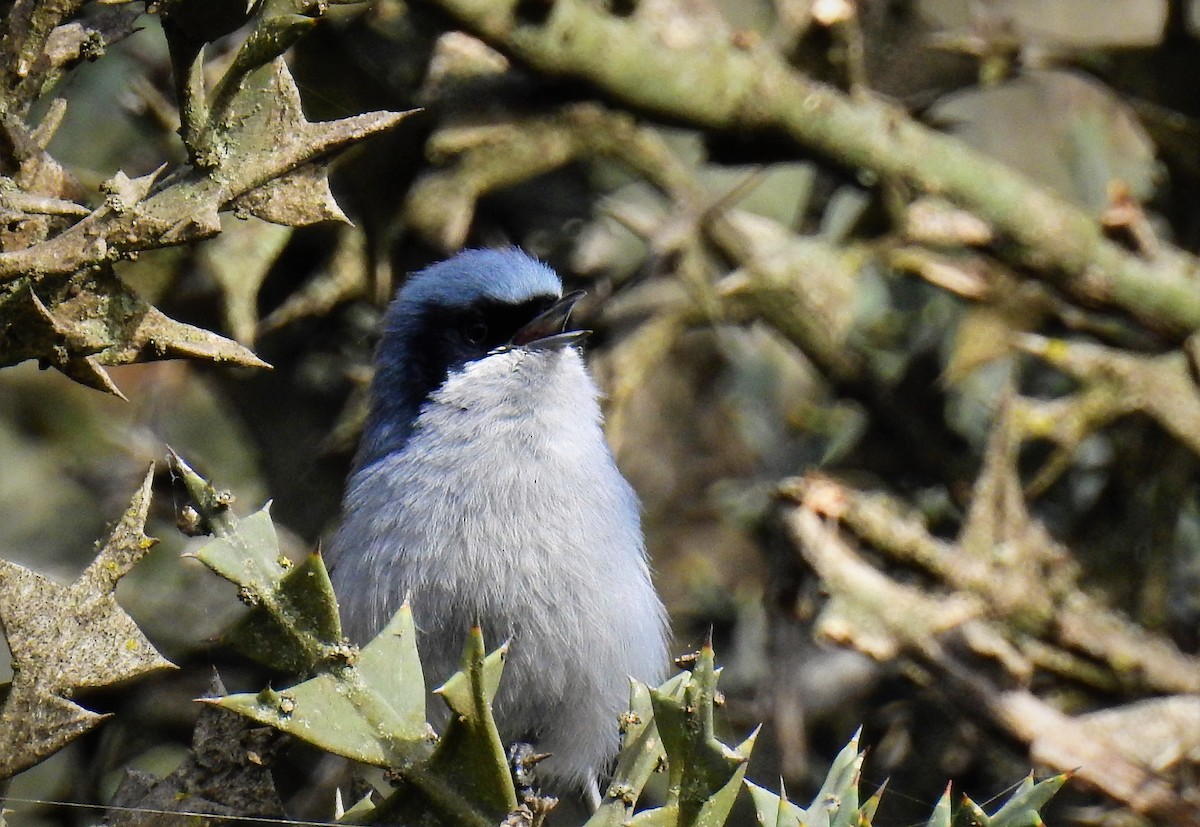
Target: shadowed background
763,308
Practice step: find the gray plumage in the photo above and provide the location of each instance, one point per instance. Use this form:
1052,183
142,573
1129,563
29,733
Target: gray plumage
485,489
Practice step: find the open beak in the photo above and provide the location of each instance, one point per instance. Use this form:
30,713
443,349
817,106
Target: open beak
548,330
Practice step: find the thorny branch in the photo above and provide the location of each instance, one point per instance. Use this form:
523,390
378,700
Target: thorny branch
1014,599
251,148
753,89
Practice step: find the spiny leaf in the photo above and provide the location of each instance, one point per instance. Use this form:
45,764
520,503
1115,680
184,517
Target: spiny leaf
466,780
360,811
866,814
83,323
252,150
641,754
836,804
294,623
972,815
297,625
715,809
1022,808
705,774
265,118
941,812
774,810
300,198
837,800
370,709
66,638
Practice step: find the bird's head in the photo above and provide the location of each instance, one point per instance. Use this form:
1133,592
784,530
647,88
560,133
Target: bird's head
477,305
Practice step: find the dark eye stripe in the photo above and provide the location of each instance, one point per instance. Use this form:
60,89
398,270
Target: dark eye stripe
475,331
441,339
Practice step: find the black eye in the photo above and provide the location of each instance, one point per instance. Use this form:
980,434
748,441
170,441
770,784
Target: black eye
475,331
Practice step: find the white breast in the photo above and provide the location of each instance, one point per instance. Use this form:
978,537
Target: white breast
506,507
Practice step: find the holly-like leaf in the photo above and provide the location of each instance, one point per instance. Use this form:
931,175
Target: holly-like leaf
470,753
293,624
251,150
774,810
466,780
941,811
1023,807
837,800
300,198
85,322
641,753
67,638
835,804
370,708
705,774
260,138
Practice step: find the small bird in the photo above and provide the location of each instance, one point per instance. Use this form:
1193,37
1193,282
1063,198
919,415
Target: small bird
484,490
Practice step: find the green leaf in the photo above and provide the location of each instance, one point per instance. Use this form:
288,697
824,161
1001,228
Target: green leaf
774,810
705,774
972,815
293,624
1021,809
300,627
371,709
941,812
866,814
641,754
467,779
836,803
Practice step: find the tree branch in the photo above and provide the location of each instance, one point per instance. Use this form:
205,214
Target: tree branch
753,88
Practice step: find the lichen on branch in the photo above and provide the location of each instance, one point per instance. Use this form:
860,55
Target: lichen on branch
753,89
251,151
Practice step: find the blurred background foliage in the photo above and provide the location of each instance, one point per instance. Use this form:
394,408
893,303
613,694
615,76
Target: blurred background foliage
763,308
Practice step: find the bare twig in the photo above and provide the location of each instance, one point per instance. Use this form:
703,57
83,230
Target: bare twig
869,604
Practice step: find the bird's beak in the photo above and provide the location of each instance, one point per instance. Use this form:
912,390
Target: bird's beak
548,330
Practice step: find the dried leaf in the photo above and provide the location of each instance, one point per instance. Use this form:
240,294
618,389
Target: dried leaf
264,137
297,199
83,323
67,638
252,150
226,774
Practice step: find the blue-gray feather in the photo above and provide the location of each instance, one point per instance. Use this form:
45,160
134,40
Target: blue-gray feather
493,497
